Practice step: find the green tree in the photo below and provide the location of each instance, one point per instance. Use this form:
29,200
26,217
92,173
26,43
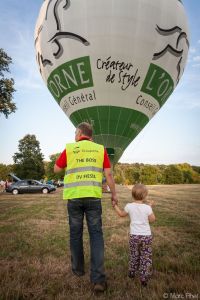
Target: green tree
160,175
187,172
196,174
50,166
136,174
196,168
29,159
119,174
118,179
129,176
7,106
173,175
5,170
149,175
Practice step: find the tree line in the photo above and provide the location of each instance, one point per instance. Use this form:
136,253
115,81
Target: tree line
129,174
29,164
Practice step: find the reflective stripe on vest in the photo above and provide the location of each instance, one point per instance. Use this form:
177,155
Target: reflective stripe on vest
82,169
83,176
82,183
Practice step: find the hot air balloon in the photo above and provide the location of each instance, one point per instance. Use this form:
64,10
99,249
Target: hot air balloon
112,63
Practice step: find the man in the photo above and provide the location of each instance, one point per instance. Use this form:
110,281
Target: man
84,162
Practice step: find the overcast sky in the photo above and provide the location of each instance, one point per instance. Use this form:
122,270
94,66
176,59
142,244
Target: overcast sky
172,136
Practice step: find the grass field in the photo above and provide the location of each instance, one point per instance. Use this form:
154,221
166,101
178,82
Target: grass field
35,257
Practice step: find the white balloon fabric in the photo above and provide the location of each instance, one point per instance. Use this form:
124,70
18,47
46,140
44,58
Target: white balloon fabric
112,63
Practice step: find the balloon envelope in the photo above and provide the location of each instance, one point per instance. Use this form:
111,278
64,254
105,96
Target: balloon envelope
112,63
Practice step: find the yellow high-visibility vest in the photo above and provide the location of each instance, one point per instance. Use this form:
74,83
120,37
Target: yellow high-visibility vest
83,174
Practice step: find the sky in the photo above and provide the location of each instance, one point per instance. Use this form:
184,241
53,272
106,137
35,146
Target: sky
172,136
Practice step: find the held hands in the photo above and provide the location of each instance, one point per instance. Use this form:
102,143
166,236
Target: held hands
114,200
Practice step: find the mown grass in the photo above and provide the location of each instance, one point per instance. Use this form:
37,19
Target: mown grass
35,256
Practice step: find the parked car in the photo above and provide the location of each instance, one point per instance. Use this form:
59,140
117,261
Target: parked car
29,186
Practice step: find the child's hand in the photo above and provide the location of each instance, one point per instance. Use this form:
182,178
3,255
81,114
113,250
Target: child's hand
151,202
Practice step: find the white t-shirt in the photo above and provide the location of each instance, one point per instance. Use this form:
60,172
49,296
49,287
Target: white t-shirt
138,213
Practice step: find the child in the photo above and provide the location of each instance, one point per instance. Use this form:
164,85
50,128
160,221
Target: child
140,238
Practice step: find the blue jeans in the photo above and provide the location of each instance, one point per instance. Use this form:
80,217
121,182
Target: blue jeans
91,208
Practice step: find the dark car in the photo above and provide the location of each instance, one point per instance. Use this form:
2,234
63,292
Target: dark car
29,186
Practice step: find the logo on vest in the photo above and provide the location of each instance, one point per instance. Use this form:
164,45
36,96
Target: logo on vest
76,150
